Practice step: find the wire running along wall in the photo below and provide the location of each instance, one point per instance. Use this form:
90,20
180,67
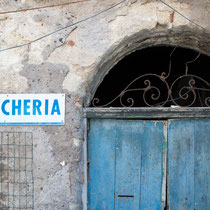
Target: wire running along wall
88,18
16,171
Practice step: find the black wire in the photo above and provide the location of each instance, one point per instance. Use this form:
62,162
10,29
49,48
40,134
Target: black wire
200,26
60,29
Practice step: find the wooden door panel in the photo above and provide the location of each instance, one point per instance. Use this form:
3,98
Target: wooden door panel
153,147
189,164
125,164
101,157
180,161
202,164
128,160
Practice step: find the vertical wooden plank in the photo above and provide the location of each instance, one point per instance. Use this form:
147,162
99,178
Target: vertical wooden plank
181,165
152,142
202,164
101,157
128,157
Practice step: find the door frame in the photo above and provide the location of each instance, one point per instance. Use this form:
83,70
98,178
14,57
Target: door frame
143,113
147,113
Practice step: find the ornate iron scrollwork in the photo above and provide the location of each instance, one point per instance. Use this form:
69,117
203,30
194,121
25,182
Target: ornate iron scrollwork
185,91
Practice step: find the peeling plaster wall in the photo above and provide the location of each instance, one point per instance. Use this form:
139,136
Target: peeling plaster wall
75,61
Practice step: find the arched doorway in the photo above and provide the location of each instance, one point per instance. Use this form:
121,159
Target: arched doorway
151,150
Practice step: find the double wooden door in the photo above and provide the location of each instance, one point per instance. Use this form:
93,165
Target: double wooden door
143,164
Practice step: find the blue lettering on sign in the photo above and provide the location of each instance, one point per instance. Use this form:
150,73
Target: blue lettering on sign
55,107
26,107
16,107
3,107
30,107
46,106
36,107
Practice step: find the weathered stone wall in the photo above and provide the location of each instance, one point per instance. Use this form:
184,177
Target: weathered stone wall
74,61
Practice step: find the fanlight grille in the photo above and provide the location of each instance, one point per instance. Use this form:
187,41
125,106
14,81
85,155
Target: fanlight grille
163,90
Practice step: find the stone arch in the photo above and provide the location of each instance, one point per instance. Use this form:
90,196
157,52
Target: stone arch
182,36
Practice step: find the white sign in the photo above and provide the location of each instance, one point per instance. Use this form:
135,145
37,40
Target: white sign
32,109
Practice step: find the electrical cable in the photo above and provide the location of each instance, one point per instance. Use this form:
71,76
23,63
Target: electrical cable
60,29
90,17
37,8
200,26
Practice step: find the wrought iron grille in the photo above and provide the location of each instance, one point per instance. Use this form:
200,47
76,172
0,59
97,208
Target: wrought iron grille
16,171
159,90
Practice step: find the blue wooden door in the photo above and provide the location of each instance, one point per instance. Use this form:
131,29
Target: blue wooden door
126,159
127,164
189,165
